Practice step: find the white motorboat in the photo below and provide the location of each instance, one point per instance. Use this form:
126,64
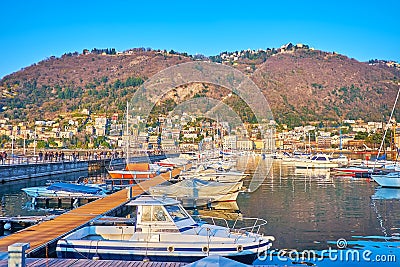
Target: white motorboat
354,171
391,179
210,174
317,161
172,162
342,160
61,190
197,192
164,231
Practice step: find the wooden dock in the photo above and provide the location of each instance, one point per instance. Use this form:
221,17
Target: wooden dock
52,262
46,234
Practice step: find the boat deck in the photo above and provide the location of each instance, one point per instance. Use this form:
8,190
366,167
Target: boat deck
41,235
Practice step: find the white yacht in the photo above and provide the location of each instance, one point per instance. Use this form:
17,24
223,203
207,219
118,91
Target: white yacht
391,179
317,161
164,231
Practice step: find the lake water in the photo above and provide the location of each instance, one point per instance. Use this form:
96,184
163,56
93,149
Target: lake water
312,210
308,210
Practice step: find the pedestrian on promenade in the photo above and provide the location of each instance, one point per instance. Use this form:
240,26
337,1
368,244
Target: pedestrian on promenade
4,156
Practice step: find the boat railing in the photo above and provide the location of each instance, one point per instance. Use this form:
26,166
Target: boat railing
241,225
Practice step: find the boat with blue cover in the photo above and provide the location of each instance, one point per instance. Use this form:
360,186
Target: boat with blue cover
164,231
62,189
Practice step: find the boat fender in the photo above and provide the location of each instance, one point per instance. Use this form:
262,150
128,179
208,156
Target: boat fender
170,249
7,226
239,248
204,249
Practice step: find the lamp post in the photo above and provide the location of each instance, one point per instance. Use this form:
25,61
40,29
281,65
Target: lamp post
24,143
12,147
34,143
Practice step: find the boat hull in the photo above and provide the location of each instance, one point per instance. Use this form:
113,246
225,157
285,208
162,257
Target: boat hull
312,165
41,191
108,250
131,175
388,180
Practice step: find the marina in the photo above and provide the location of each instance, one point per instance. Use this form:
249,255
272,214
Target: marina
312,201
45,234
200,133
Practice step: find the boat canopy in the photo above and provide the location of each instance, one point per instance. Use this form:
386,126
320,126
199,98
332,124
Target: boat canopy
75,188
137,167
195,188
320,158
152,201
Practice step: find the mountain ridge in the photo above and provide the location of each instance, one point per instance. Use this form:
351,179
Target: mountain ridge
300,84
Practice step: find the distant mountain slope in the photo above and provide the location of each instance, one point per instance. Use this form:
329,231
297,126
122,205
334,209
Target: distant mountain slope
300,84
315,85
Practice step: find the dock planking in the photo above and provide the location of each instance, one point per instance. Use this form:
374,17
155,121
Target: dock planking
52,262
41,235
32,262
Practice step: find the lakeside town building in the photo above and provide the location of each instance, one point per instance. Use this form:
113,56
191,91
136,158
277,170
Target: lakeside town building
187,132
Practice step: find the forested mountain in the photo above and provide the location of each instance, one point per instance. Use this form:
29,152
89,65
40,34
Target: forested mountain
300,84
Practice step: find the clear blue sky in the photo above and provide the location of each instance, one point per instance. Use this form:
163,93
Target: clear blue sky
31,31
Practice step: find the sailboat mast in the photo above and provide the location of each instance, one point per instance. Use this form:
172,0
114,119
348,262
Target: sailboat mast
384,135
127,133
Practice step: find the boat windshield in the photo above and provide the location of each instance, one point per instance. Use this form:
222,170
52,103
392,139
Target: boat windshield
320,158
153,213
176,213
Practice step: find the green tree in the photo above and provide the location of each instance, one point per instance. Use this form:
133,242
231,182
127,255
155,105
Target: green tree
41,144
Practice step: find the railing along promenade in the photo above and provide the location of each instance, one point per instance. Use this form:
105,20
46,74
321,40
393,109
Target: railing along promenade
25,167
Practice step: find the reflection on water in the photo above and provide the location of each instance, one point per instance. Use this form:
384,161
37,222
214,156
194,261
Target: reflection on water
364,251
16,203
307,208
225,210
386,193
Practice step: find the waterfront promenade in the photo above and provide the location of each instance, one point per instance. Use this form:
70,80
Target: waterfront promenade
31,167
28,170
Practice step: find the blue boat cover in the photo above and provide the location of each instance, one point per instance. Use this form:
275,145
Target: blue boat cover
216,261
75,188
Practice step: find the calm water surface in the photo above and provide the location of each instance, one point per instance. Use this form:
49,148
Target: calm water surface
312,209
305,210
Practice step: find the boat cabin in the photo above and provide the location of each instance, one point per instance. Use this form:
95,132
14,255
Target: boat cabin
156,214
164,231
320,157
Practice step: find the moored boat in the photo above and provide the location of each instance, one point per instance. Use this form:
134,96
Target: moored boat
211,174
65,190
391,179
316,161
386,193
134,171
196,192
164,231
354,171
